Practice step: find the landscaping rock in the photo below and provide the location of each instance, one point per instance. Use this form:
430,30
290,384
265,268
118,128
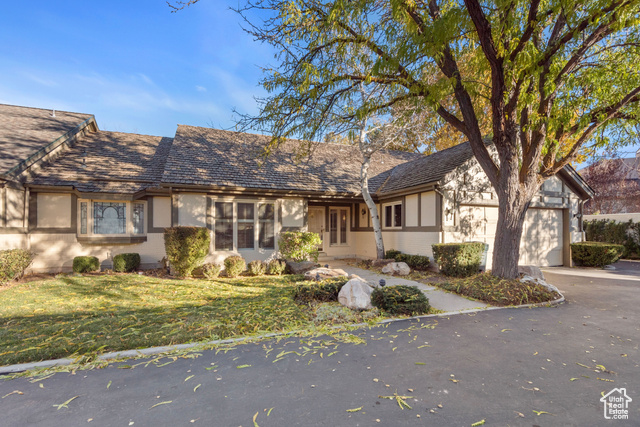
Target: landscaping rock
531,270
382,262
541,282
324,273
300,267
397,269
356,295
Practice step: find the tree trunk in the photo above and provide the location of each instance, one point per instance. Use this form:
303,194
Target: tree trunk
375,219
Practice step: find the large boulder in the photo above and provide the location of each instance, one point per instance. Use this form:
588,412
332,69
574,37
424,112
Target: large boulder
324,273
300,267
531,271
397,269
356,294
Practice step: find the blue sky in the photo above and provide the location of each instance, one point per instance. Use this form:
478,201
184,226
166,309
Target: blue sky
133,64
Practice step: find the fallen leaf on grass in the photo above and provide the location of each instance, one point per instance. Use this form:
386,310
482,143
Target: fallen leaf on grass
355,409
64,405
161,403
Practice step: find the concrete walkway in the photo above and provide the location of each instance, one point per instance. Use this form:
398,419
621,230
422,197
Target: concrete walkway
439,299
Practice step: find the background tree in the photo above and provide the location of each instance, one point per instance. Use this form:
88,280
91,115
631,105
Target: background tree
554,73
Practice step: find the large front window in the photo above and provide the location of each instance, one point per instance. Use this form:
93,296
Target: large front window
111,218
244,225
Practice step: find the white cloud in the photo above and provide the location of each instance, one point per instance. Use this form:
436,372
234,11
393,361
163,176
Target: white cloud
201,88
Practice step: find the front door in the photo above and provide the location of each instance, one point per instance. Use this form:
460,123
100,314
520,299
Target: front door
316,223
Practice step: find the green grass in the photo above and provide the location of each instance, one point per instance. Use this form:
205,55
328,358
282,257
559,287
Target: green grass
79,315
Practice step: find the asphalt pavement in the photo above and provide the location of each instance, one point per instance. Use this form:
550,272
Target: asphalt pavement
546,366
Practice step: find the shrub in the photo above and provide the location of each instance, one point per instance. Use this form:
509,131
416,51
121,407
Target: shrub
84,264
391,254
211,271
13,263
324,291
257,268
458,259
299,245
186,248
330,313
418,262
400,300
595,254
276,267
234,265
622,233
126,262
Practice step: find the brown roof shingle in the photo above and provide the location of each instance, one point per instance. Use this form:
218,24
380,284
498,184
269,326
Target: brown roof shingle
24,131
211,157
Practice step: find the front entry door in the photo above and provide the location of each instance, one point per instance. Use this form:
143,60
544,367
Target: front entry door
316,223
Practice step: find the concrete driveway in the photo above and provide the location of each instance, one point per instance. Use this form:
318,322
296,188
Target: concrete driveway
512,367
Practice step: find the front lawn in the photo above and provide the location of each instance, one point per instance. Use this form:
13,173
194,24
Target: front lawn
76,315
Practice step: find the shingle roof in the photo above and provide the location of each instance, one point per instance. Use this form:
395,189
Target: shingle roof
24,131
427,169
114,162
211,157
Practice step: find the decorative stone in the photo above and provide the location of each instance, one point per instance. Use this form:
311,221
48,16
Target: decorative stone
324,273
382,262
356,295
531,270
541,282
397,269
300,267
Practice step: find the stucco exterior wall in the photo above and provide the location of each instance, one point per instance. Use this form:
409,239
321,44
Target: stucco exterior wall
14,241
192,209
161,212
414,243
293,213
53,210
411,210
14,208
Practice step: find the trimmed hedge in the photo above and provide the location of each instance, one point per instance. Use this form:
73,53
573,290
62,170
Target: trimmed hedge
458,259
621,233
400,300
257,268
85,264
234,266
211,271
126,262
186,248
595,254
416,262
13,263
324,291
276,267
299,245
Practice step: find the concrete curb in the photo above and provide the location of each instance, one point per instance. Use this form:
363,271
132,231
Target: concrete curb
124,354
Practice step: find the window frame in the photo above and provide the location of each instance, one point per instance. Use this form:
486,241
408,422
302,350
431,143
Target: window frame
338,211
129,226
393,206
257,223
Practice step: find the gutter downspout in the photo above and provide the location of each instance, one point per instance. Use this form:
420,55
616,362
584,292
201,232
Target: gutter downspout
441,225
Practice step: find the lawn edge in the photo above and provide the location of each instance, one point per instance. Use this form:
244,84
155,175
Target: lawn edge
150,351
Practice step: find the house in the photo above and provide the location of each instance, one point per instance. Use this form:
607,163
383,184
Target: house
69,189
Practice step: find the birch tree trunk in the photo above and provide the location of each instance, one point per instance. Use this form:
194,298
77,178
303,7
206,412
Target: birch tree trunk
375,218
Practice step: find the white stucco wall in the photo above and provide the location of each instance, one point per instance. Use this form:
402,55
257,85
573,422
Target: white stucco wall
54,210
14,209
293,213
13,241
192,209
428,209
411,211
414,243
161,212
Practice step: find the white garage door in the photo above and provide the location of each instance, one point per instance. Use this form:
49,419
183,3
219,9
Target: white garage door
541,242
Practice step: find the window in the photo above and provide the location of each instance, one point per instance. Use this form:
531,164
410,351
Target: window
246,226
338,226
266,226
393,215
111,218
138,218
83,218
224,226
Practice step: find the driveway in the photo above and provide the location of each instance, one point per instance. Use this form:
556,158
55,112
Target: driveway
515,367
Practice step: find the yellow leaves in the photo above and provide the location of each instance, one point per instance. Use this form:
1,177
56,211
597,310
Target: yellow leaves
64,405
13,392
355,409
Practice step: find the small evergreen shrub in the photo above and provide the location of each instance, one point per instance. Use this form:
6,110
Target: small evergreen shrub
234,266
13,263
622,233
299,245
416,262
257,268
596,254
400,300
85,264
458,259
324,291
126,262
276,267
391,254
186,248
211,271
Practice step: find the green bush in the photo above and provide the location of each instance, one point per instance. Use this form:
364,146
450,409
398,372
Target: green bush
622,233
391,254
13,263
458,259
595,254
276,267
257,268
299,245
416,262
234,266
211,271
324,291
400,300
126,262
186,248
84,264
329,313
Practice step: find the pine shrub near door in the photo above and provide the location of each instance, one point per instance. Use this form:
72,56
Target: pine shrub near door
186,248
458,259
